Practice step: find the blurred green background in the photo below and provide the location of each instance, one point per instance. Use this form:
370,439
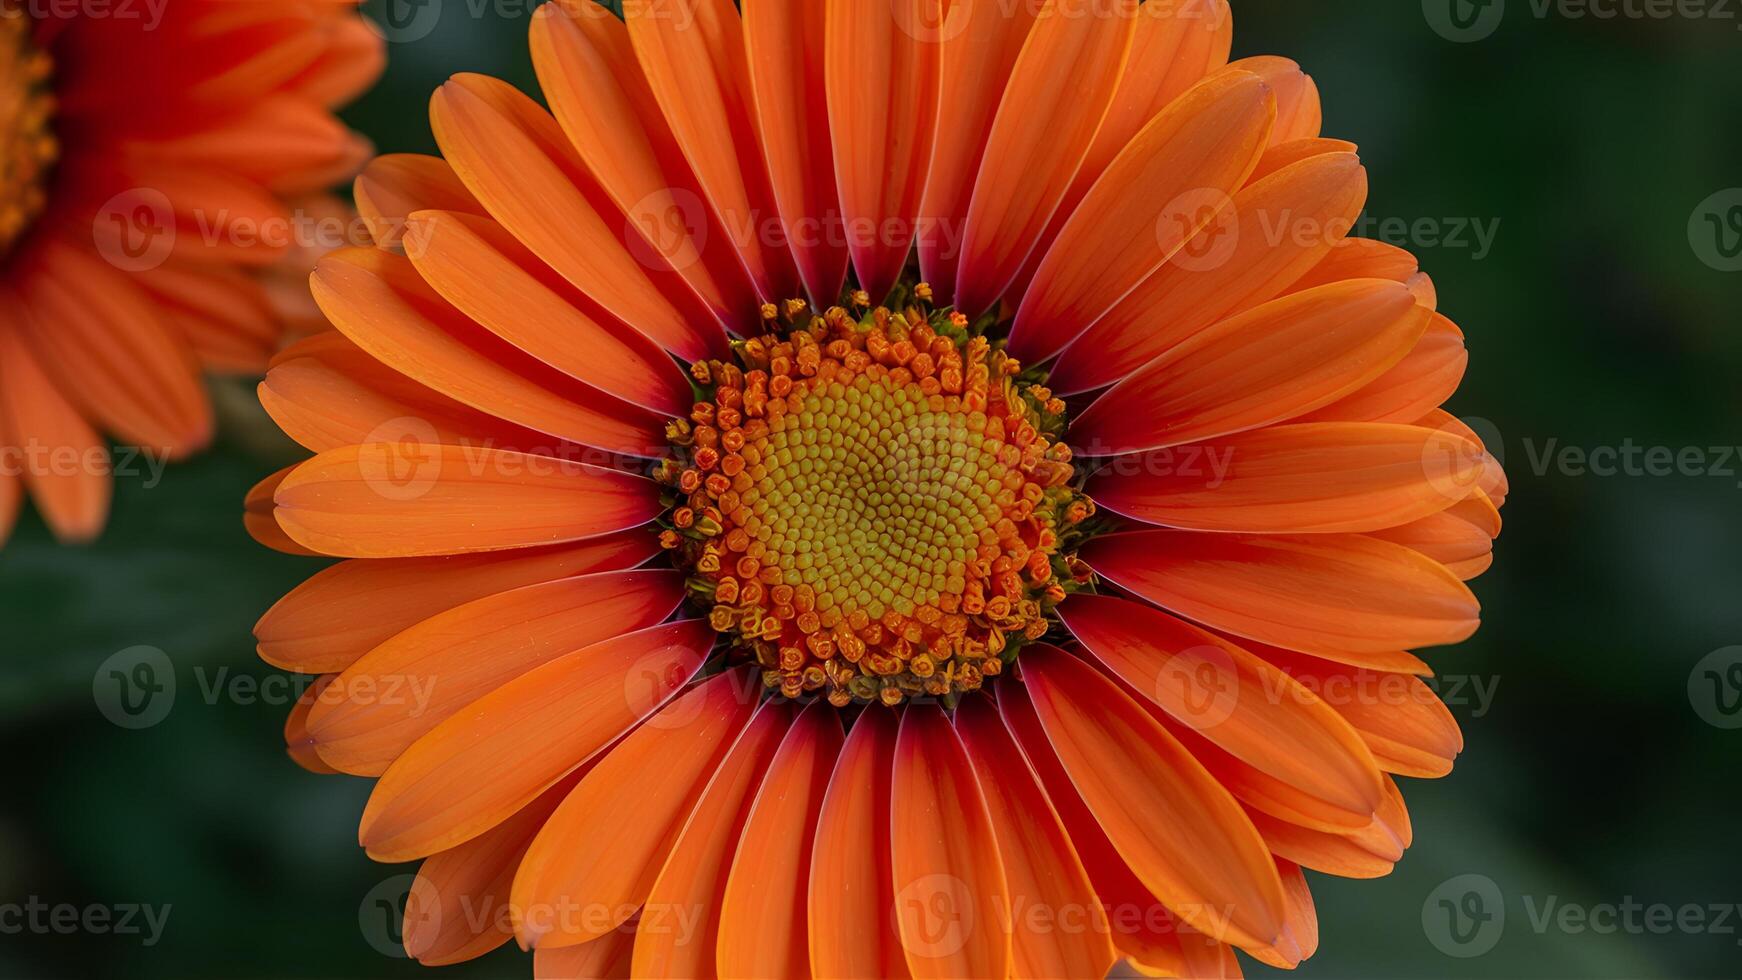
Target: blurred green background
1597,772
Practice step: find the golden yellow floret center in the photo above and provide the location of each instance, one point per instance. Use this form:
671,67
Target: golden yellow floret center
28,148
873,507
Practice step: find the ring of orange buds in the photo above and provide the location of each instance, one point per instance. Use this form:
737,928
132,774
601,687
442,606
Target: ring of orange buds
874,506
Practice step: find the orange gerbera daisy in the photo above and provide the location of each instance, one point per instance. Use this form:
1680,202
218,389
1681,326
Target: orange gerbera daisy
152,155
1036,604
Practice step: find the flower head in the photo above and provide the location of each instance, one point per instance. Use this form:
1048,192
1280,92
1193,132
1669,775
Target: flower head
994,611
153,156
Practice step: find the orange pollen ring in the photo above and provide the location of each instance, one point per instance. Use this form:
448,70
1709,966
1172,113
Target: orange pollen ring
28,148
873,508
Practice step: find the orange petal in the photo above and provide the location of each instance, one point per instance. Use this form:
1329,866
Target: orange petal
398,501
979,42
458,908
881,122
477,768
489,276
1060,928
1493,480
595,88
1426,377
1298,113
1303,916
1173,48
1359,258
1461,534
851,897
1367,853
604,847
111,352
1408,728
1317,593
1169,184
345,611
514,157
1141,927
681,919
296,740
607,958
952,902
327,393
784,43
397,184
1230,696
1317,477
379,301
1181,832
398,692
695,65
1278,229
74,500
259,520
1059,92
1266,365
763,929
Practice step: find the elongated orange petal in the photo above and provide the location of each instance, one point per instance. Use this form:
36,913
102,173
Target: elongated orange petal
399,691
397,501
1278,228
397,184
1232,697
1059,92
1298,113
1173,48
587,68
345,611
1493,481
980,41
1408,727
763,929
1360,258
606,958
378,300
459,905
1170,183
488,275
604,847
1272,363
477,768
1303,916
1460,535
694,60
1060,928
1416,385
881,122
326,393
851,896
784,43
260,521
296,740
1316,477
952,901
1316,594
1181,832
681,920
111,352
33,416
1367,853
1141,927
532,184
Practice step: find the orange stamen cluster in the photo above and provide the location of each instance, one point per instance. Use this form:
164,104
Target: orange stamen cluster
873,507
28,148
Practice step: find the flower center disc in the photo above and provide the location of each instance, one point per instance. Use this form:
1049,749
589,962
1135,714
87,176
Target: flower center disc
27,142
873,507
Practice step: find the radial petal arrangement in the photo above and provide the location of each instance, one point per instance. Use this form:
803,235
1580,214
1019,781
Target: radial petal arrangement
876,489
164,170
